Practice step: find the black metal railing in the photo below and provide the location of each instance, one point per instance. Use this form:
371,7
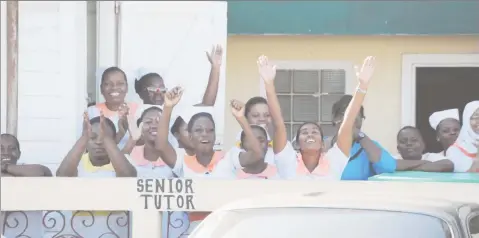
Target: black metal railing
67,224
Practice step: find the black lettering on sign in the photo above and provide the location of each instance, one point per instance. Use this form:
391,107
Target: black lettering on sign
166,194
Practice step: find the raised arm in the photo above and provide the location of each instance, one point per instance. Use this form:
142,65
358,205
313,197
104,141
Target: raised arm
123,168
167,152
267,72
256,153
345,133
135,135
215,58
69,165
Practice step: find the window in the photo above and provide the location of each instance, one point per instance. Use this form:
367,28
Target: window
308,95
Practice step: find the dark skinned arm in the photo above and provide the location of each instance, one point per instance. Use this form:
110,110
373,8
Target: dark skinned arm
444,165
345,132
256,153
280,136
372,150
120,163
167,152
28,170
209,98
69,165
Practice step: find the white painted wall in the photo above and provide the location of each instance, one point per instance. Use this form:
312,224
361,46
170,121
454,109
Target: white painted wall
169,38
52,78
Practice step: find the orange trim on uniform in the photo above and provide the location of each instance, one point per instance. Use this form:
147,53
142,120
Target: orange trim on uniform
197,216
192,163
108,113
465,152
138,157
269,172
322,169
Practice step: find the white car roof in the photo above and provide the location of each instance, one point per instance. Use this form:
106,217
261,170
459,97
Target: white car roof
353,200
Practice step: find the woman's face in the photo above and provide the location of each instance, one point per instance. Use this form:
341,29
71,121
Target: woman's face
202,135
475,121
410,144
261,137
95,144
10,153
448,131
154,91
114,87
182,136
150,125
310,137
259,115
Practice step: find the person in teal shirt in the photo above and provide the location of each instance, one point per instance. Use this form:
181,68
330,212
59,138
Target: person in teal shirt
367,157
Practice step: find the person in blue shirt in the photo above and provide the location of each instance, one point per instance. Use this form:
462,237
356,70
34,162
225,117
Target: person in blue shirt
367,157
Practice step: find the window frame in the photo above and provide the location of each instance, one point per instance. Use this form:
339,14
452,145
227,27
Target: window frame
347,66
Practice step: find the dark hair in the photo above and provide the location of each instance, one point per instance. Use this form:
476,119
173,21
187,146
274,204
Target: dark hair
306,123
140,83
107,121
407,128
91,104
253,127
17,143
339,107
198,116
442,122
110,70
175,128
152,108
253,101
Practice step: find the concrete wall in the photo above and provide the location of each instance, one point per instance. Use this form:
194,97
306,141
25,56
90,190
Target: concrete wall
383,103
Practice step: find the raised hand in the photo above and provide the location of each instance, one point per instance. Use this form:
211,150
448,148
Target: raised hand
133,129
366,71
123,113
237,108
216,56
267,71
173,96
103,126
86,125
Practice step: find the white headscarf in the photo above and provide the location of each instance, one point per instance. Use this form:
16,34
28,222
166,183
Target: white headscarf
467,137
439,116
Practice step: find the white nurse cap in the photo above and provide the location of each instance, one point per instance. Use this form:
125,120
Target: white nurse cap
437,117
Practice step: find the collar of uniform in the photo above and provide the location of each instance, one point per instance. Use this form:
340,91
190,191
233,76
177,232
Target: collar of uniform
89,167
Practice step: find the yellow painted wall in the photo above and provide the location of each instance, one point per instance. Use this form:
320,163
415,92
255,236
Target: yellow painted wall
382,106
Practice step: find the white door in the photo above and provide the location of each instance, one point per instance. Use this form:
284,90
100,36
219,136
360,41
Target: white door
169,38
52,78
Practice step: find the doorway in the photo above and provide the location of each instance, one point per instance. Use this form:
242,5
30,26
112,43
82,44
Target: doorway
441,88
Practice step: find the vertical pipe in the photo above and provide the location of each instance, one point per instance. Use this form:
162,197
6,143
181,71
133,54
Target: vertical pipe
12,67
117,33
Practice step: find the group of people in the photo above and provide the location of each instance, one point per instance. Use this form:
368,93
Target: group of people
159,140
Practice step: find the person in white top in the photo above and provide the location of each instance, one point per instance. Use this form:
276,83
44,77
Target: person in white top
312,161
202,135
464,152
411,146
447,126
151,89
254,148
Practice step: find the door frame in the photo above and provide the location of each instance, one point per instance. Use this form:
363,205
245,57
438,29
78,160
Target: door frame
408,78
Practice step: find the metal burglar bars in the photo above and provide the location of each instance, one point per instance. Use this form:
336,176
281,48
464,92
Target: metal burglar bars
66,224
308,96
